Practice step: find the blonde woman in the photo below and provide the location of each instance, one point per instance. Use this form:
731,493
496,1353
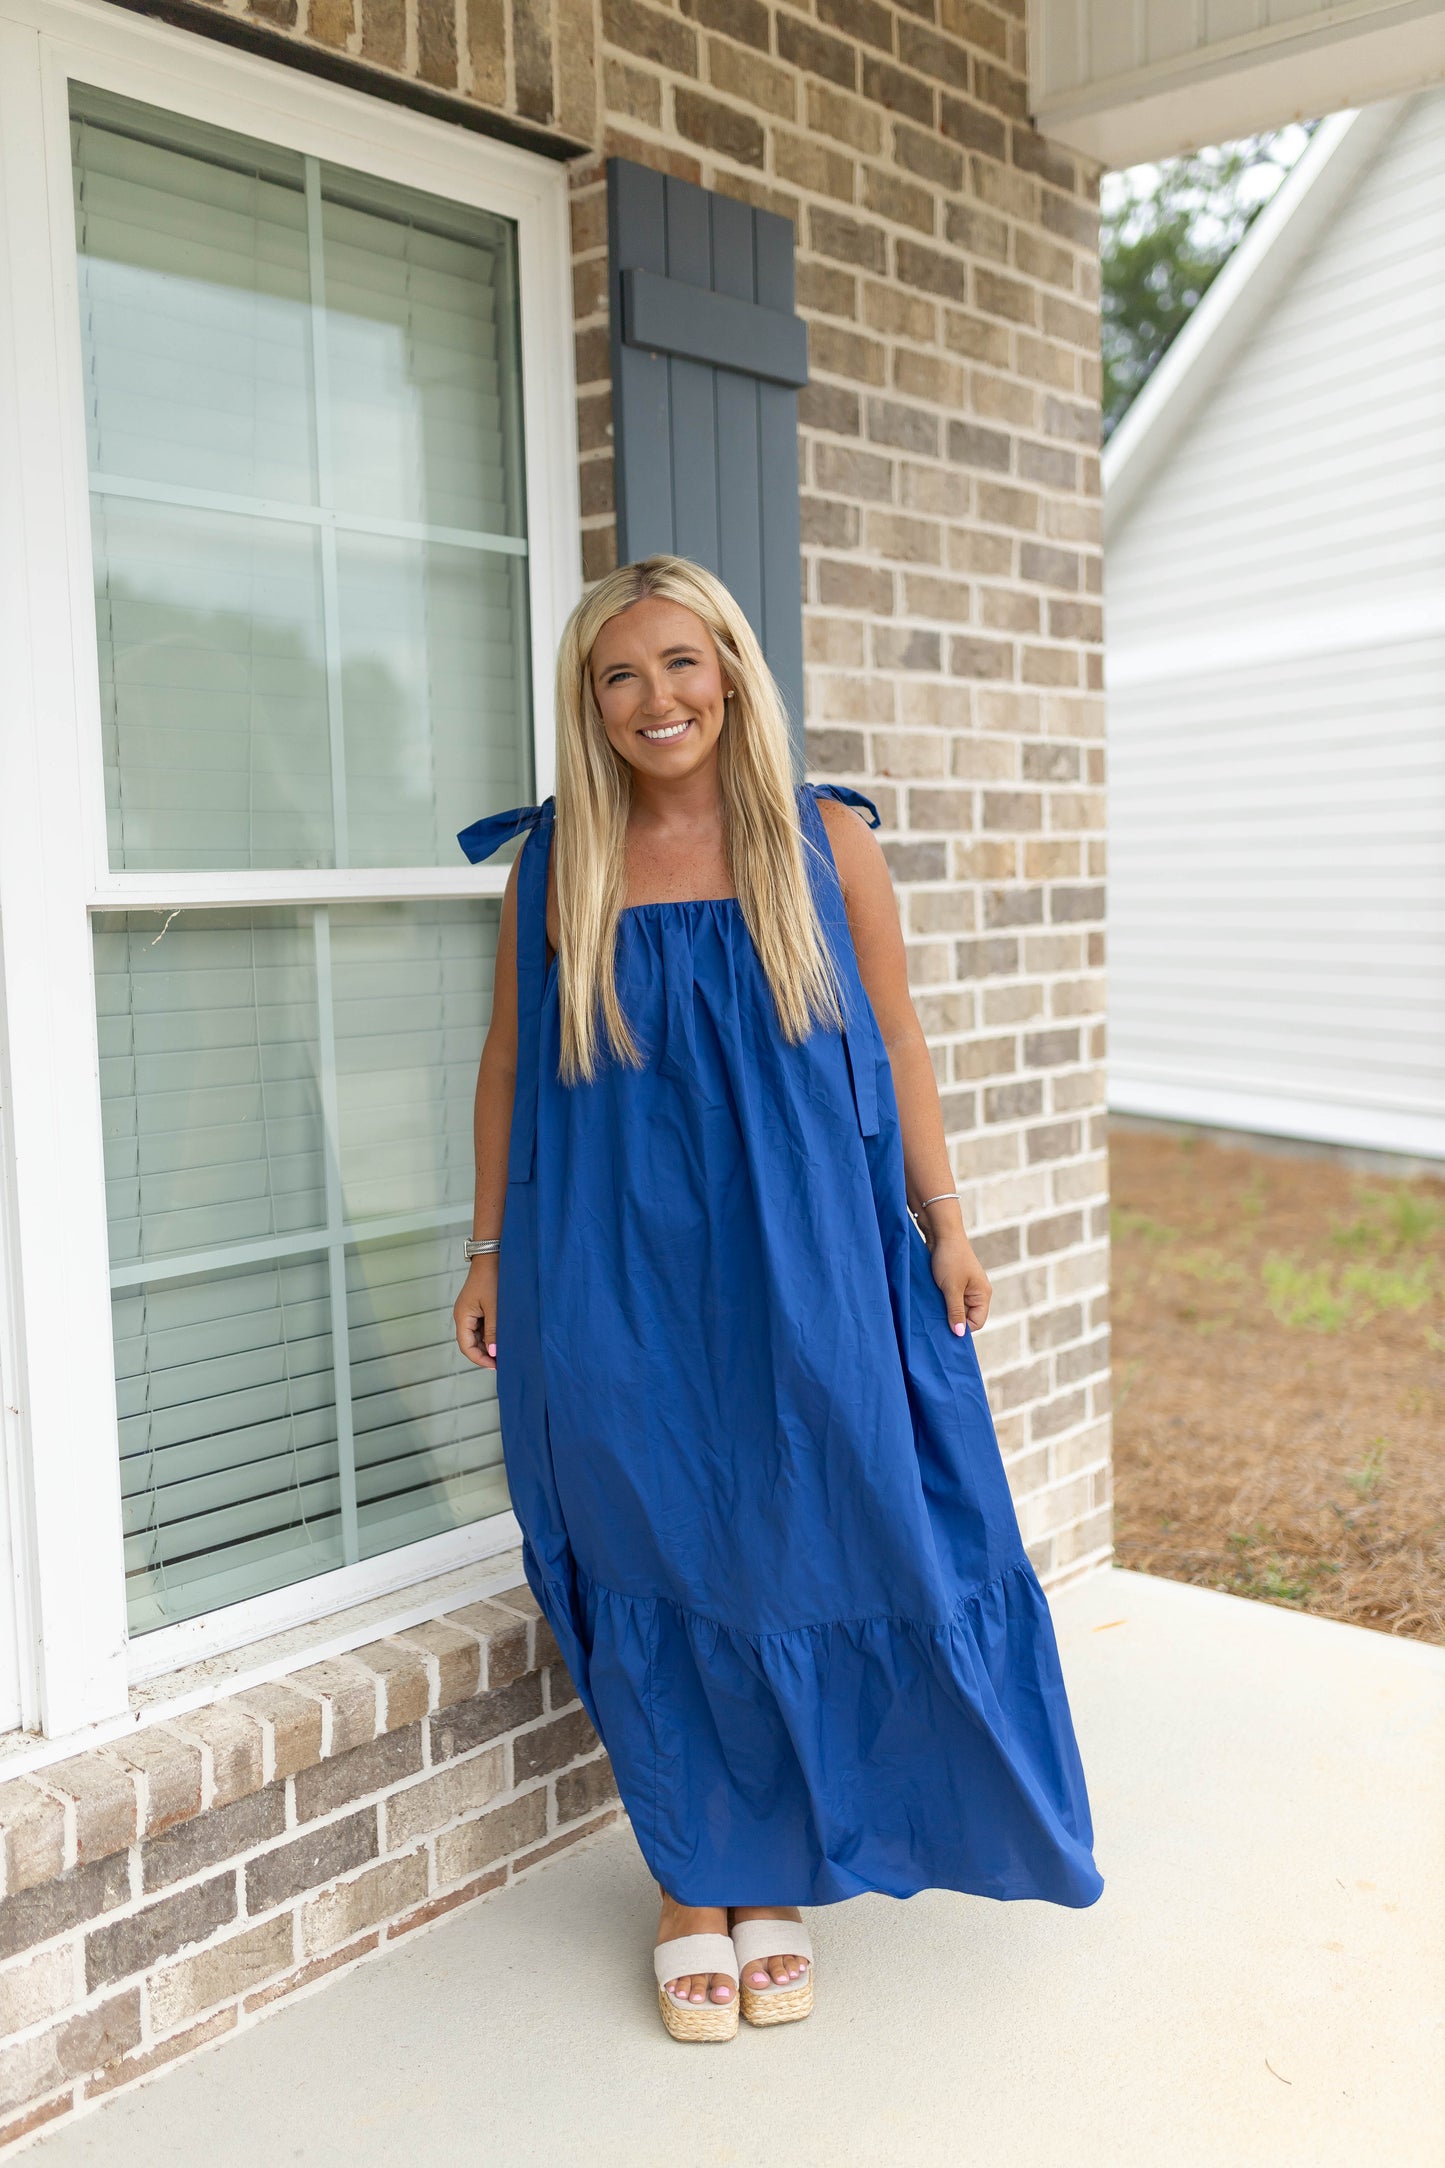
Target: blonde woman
725,1284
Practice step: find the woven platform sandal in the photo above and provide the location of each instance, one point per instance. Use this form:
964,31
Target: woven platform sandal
754,1942
674,1960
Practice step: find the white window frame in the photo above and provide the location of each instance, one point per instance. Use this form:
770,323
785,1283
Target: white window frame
54,871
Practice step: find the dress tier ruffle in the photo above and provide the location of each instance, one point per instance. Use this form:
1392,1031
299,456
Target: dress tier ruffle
762,1502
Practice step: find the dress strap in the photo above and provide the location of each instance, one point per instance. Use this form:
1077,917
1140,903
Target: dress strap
828,893
479,841
846,795
489,834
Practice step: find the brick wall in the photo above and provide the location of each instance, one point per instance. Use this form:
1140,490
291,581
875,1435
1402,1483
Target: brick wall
948,271
166,1890
158,1896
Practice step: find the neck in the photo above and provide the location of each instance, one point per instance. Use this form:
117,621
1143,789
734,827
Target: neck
690,801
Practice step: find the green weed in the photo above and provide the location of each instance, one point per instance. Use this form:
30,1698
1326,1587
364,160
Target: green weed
1391,1287
1209,1265
1277,1583
1390,1220
1302,1295
1140,1226
1254,1198
1365,1480
1314,1297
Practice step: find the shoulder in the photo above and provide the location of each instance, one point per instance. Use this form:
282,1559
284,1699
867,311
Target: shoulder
856,850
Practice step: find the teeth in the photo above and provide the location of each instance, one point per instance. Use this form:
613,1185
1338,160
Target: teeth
673,730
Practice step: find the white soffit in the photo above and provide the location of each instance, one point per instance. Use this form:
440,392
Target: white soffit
1124,81
1244,290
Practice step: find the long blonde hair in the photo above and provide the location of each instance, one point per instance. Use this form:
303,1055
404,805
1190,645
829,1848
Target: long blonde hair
760,823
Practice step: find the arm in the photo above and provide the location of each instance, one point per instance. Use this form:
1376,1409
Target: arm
883,967
475,1309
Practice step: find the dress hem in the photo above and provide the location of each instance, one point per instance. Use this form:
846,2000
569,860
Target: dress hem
1022,1566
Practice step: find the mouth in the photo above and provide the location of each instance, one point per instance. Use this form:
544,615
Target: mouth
665,733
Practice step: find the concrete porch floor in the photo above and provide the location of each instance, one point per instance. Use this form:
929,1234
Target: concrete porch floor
1263,1980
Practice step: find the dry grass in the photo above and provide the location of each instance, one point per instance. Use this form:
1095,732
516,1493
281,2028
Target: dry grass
1279,1379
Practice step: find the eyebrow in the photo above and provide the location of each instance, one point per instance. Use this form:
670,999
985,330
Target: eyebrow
684,647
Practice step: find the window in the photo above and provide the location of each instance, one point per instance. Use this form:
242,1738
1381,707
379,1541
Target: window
305,469
310,431
305,452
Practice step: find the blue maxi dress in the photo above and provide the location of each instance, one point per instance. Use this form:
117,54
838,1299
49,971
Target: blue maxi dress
761,1497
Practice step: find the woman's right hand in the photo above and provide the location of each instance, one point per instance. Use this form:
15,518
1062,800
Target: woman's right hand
475,1312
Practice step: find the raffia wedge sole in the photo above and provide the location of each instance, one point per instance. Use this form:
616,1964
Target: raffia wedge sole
779,2005
686,1954
756,1940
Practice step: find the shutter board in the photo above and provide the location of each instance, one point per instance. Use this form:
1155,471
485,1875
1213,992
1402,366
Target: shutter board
707,450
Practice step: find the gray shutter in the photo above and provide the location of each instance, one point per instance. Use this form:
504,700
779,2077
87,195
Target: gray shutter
707,358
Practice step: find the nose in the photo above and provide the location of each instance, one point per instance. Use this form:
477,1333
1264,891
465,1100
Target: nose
658,698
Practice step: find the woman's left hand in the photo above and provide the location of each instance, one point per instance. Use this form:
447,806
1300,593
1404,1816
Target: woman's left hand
961,1278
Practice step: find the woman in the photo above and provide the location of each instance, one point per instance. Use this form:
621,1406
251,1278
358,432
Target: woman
744,1429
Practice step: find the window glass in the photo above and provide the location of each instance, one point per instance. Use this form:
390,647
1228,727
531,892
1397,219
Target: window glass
303,405
288,1105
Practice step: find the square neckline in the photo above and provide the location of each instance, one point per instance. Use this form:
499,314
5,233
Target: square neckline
675,903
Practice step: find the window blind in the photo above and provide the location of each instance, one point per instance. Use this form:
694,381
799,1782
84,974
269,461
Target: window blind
288,1104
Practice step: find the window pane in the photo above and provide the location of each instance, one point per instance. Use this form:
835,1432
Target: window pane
303,398
195,303
213,695
230,1468
411,991
432,644
288,1114
421,329
428,1442
210,1079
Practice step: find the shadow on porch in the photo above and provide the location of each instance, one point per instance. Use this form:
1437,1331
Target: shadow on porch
1263,1980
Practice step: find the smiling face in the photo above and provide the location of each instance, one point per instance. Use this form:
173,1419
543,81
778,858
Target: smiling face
661,688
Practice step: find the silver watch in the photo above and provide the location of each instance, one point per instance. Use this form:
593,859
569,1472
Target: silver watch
472,1249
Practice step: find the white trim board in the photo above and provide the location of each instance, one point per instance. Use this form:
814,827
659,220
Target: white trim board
1316,1121
76,1662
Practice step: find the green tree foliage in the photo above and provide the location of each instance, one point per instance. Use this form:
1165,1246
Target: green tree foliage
1168,231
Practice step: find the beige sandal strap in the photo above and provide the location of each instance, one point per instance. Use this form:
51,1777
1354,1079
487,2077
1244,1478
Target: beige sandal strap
686,1954
756,1939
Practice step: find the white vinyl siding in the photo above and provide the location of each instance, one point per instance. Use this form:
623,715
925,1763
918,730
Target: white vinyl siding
1276,673
12,1705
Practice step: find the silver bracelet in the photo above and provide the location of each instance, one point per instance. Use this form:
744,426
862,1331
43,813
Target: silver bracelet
936,1200
480,1249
